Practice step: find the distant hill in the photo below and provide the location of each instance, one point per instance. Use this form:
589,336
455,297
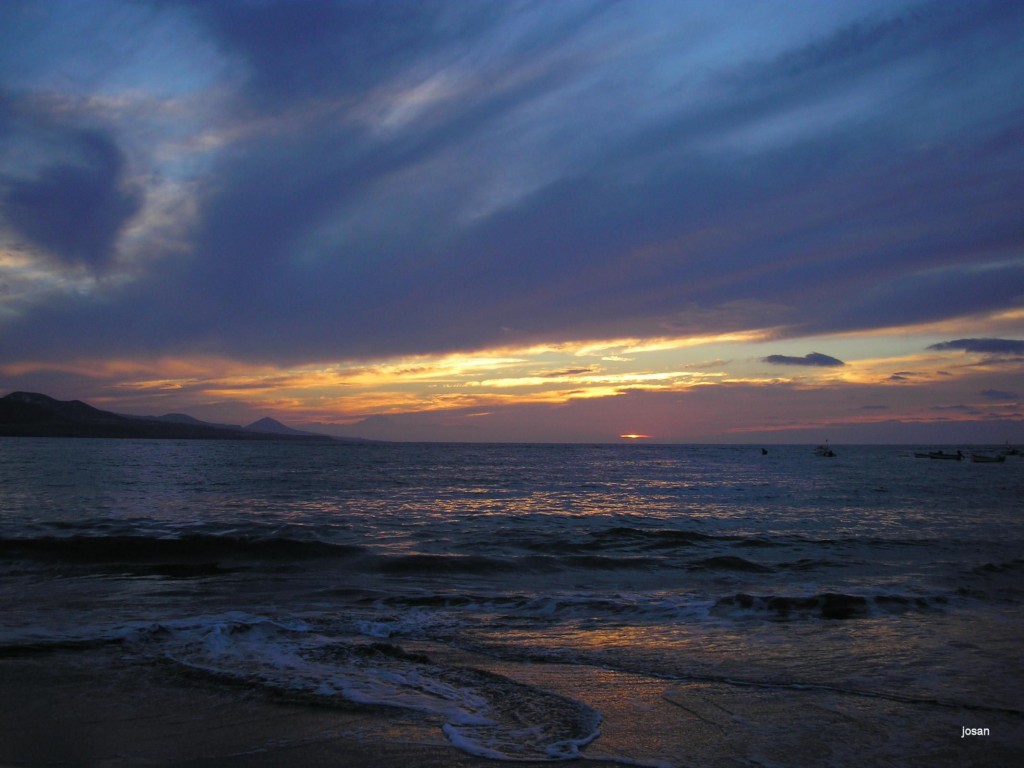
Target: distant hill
30,414
184,418
269,426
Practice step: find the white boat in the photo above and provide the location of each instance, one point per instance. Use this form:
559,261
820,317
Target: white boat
824,450
981,458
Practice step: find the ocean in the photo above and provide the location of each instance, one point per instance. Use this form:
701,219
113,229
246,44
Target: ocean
639,604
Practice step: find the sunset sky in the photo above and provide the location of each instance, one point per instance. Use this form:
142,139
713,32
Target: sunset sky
739,221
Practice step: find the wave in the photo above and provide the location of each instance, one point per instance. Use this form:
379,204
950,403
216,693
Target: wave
1010,566
190,549
440,564
810,564
827,605
415,564
622,538
759,543
484,714
995,580
200,555
439,614
652,538
729,563
666,541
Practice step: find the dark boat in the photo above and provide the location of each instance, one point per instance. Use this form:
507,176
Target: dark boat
958,456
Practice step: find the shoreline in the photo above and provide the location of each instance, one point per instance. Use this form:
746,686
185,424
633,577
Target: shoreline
100,707
85,708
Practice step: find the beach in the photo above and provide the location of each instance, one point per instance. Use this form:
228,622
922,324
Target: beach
178,603
75,710
90,708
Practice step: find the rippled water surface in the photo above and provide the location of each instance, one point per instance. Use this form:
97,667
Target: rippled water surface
349,571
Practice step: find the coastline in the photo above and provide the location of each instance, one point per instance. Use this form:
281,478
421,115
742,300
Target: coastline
95,707
91,708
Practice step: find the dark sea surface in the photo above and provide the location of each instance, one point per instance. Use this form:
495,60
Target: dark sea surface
877,594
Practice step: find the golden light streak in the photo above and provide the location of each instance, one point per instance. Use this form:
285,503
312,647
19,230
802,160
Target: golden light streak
618,347
620,379
486,380
659,345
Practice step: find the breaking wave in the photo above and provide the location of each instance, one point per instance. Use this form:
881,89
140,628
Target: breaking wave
484,714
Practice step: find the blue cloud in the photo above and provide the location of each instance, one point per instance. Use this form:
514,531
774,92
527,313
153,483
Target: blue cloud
75,210
999,394
985,346
812,359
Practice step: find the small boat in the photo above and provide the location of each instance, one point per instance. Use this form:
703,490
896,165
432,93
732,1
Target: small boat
981,458
824,450
958,456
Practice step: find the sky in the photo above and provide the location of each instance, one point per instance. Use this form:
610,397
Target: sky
749,221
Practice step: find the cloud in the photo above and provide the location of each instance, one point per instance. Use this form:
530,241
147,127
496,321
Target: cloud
985,346
999,394
567,373
445,177
812,359
75,210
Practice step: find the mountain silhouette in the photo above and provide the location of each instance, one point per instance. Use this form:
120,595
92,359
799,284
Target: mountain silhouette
31,414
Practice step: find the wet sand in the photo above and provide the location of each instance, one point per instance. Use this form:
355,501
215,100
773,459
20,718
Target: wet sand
89,709
94,707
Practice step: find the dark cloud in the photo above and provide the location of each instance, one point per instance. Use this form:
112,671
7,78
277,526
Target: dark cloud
812,359
75,210
567,372
925,274
999,394
324,47
984,346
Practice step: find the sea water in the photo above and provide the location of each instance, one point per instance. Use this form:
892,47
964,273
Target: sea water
878,593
